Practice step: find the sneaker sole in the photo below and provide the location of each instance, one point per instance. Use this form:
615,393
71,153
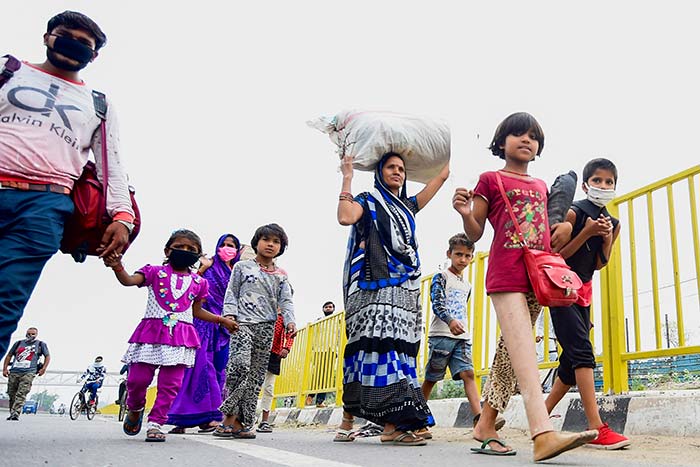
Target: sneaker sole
610,447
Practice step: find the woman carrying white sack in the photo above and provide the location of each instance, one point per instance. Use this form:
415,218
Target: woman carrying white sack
382,294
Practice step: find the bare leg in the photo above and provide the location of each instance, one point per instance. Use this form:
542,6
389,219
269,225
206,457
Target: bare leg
486,428
559,389
427,388
471,391
586,388
347,422
265,415
513,316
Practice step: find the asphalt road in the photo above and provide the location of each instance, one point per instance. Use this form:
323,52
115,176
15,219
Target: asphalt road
41,440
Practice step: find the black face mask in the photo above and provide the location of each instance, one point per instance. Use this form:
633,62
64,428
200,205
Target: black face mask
182,259
30,338
72,49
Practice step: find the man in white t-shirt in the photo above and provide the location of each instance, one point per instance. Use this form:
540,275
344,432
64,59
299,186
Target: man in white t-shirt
48,126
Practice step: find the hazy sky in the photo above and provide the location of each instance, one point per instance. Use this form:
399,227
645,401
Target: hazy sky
213,98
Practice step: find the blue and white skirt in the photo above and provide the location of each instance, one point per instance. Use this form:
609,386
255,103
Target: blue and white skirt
384,328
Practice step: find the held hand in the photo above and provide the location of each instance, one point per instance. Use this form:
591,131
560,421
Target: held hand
112,260
598,227
284,353
5,372
456,327
462,201
114,239
346,166
291,330
561,234
608,226
230,324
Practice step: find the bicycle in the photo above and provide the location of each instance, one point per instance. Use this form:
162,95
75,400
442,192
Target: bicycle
122,407
79,404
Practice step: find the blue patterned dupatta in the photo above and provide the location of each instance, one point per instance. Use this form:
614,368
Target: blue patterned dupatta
385,253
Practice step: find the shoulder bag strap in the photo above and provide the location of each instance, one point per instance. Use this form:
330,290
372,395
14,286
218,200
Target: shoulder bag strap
8,70
100,102
510,211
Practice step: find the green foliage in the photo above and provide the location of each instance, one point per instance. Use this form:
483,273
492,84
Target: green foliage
636,385
449,389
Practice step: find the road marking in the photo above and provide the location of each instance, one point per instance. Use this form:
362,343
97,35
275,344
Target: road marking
278,456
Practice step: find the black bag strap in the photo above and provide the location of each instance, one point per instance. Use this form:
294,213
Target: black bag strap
100,102
9,69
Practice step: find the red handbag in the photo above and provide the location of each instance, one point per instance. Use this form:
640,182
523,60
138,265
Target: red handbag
84,229
552,280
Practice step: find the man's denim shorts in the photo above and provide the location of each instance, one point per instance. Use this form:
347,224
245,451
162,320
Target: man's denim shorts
444,352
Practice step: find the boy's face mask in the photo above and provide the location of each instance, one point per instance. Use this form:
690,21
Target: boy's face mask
598,196
72,49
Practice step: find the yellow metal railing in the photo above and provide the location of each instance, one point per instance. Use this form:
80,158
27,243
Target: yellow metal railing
634,281
314,365
635,271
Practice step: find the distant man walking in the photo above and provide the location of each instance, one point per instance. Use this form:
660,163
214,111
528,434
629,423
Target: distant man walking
24,356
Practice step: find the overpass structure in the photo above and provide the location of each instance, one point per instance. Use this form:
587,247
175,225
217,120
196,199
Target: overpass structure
60,378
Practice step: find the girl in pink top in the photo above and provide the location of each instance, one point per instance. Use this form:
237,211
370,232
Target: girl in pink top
518,140
165,338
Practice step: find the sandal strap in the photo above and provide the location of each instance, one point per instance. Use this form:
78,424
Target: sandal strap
486,442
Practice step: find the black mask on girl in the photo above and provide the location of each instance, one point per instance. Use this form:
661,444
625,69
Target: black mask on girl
182,259
72,49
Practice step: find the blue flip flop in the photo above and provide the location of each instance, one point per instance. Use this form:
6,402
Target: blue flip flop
129,425
489,451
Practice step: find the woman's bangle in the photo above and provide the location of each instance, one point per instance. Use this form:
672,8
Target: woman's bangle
345,193
118,268
345,197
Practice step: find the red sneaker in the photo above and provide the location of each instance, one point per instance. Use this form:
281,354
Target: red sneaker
608,439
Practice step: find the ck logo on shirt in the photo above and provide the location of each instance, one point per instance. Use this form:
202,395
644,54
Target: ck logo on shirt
15,95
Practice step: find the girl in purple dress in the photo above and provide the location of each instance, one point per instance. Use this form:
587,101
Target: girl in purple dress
165,339
197,403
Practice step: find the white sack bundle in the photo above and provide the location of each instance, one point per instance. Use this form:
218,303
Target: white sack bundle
424,143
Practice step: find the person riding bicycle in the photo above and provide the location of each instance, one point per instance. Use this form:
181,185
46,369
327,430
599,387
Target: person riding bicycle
94,377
